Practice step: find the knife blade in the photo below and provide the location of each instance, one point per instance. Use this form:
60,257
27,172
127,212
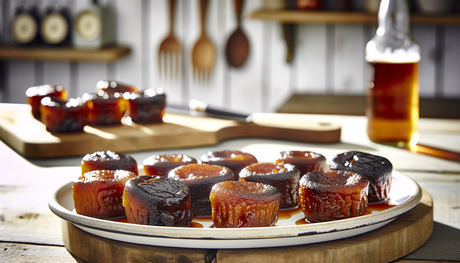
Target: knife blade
202,109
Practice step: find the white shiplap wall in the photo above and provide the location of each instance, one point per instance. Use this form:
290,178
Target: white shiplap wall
329,58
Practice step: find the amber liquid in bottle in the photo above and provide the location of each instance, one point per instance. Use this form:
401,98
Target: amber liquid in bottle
392,95
392,102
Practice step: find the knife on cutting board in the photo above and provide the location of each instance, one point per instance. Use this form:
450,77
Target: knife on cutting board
202,109
199,108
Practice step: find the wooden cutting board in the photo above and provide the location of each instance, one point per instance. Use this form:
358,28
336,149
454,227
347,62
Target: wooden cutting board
388,243
29,137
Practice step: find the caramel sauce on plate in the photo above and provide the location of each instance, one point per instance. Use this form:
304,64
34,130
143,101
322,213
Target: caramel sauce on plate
193,224
285,214
378,207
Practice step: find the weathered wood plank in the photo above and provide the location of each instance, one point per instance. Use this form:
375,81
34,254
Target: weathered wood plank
426,37
92,248
443,244
129,33
88,74
21,77
278,76
310,60
24,213
63,54
451,78
24,253
349,59
448,108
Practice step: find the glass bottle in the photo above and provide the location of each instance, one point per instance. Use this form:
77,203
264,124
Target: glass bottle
392,93
25,25
55,26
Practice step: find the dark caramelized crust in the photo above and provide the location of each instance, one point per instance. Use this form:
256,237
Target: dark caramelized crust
285,178
112,87
108,160
333,195
234,160
146,108
305,161
99,193
377,169
241,204
64,116
37,93
105,109
157,201
162,164
200,178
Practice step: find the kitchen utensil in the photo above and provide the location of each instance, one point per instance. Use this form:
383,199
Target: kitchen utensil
170,50
237,48
289,31
203,52
202,109
433,151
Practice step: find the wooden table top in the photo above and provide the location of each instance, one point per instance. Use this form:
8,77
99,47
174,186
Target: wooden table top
30,232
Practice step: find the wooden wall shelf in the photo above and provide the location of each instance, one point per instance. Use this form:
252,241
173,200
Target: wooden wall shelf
355,105
110,54
329,17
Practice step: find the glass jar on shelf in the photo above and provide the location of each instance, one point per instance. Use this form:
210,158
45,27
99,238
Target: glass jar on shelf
25,25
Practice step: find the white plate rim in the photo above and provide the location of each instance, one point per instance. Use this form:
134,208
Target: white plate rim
184,233
235,243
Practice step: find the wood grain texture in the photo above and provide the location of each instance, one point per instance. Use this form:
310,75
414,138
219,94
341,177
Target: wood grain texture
29,137
395,240
448,108
426,36
21,76
451,79
63,54
348,62
24,196
129,33
311,59
296,16
91,248
11,252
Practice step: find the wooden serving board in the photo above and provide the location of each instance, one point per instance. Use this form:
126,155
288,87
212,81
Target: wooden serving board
29,137
395,240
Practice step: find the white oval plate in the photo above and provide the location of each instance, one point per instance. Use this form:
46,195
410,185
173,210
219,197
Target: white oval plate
405,194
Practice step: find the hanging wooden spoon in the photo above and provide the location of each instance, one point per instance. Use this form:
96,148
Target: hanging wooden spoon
203,52
237,48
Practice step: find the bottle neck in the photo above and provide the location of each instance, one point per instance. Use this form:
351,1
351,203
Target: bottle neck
393,17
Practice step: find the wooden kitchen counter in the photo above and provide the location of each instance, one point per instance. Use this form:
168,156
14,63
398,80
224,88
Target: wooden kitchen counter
30,232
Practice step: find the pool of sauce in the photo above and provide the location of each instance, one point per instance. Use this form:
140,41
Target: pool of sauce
285,214
379,207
